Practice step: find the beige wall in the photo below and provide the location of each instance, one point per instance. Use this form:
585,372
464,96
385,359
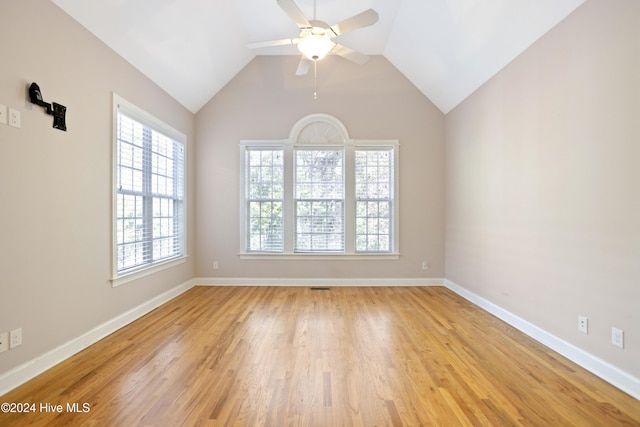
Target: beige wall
55,187
374,102
543,183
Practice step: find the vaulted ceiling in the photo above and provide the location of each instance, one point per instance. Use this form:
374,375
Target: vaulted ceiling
192,48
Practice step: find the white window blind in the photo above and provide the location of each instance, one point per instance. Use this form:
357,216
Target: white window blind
149,194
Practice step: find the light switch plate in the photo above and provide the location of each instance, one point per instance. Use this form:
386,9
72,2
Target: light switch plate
4,341
3,114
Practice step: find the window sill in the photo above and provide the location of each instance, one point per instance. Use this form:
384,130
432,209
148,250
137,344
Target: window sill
323,257
146,271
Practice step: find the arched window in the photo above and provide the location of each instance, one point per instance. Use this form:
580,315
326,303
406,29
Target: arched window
319,193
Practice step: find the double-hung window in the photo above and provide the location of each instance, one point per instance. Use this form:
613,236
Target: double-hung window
374,199
149,192
265,199
301,199
319,200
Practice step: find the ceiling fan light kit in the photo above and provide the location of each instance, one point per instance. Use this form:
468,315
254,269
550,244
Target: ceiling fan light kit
315,46
314,40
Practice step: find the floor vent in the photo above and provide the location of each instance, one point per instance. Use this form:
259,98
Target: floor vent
317,288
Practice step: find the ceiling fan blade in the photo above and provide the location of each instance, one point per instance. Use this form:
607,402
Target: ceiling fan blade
350,54
280,42
364,19
294,13
303,66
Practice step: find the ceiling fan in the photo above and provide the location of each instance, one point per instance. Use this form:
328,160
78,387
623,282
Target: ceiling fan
314,40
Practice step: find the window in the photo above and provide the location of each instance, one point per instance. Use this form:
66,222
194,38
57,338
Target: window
319,200
374,200
319,196
265,198
149,217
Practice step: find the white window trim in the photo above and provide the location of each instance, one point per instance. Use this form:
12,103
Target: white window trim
142,116
148,270
288,146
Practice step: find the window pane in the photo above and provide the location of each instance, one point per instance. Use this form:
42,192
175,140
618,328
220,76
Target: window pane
319,226
319,174
265,223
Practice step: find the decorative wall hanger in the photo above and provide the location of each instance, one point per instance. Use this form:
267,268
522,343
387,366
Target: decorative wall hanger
54,109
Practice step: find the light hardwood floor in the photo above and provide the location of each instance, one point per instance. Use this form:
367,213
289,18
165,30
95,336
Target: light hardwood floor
276,356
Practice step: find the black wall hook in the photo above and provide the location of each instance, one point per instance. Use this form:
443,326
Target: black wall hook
56,110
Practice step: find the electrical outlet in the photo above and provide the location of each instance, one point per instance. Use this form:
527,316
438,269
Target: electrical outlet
4,341
15,338
617,337
14,118
425,265
583,324
215,265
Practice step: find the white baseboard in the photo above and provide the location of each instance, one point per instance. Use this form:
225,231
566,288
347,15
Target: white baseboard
19,375
613,375
335,282
23,373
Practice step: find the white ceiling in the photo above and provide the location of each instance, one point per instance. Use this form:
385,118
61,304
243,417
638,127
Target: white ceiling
192,48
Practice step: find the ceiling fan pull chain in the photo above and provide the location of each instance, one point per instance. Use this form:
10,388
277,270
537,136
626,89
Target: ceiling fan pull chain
315,79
